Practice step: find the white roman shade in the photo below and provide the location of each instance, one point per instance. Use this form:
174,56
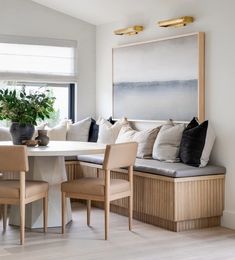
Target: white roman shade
45,60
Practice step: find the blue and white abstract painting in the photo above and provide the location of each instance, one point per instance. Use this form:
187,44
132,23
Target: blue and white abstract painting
156,80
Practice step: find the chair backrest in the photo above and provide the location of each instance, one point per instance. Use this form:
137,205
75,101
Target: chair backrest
13,158
120,155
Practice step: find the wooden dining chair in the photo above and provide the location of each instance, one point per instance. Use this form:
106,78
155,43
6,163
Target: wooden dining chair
20,192
105,189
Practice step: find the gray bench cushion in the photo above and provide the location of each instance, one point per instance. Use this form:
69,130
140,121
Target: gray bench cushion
94,158
175,170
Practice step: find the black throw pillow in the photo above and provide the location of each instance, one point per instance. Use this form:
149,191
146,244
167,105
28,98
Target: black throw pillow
110,119
94,130
196,143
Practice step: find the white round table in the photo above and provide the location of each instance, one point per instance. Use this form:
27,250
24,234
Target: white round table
48,164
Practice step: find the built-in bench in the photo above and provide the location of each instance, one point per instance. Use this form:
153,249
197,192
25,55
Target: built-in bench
174,196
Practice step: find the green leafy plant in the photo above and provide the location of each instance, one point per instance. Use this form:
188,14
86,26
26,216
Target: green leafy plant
25,108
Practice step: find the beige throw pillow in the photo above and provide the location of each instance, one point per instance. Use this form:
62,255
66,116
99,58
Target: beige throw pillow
108,133
79,131
166,146
58,133
144,138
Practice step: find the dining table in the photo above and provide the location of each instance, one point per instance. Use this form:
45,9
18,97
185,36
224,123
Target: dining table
47,163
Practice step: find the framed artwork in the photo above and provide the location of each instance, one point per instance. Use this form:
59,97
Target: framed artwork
160,79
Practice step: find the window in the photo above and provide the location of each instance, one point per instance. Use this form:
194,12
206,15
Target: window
64,94
41,63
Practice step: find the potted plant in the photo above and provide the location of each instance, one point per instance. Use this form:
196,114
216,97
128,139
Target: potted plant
23,110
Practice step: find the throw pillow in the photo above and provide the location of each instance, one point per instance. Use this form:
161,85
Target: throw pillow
5,134
110,119
93,132
57,133
108,133
79,131
94,129
166,146
144,138
196,144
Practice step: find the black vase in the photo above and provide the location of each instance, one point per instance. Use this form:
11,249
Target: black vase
21,132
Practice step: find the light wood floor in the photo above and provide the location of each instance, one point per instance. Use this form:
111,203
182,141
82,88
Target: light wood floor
145,242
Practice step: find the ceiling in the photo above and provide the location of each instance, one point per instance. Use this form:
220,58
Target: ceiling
102,11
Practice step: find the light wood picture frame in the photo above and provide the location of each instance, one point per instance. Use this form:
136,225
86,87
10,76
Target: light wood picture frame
160,79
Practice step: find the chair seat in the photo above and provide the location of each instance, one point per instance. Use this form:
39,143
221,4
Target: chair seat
11,188
94,186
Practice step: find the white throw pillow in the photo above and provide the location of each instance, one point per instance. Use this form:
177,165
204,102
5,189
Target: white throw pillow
79,131
166,146
144,138
5,134
108,133
58,133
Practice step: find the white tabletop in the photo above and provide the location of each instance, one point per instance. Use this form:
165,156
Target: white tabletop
64,148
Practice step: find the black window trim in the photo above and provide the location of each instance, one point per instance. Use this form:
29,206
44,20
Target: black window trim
71,102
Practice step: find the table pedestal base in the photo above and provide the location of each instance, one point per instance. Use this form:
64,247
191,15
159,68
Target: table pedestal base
52,170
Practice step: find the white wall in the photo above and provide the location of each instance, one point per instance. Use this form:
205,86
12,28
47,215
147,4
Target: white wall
25,18
215,18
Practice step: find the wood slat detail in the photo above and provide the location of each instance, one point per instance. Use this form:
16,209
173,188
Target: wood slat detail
173,203
197,223
199,199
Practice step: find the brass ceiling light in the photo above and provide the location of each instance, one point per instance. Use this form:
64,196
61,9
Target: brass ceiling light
129,30
176,22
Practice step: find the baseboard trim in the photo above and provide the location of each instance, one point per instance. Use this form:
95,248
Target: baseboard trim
176,226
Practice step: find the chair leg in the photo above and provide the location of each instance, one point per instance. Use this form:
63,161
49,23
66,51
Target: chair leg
130,212
107,206
22,222
4,217
88,212
63,211
45,212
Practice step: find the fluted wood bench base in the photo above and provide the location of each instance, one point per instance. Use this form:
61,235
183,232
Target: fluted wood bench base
176,204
